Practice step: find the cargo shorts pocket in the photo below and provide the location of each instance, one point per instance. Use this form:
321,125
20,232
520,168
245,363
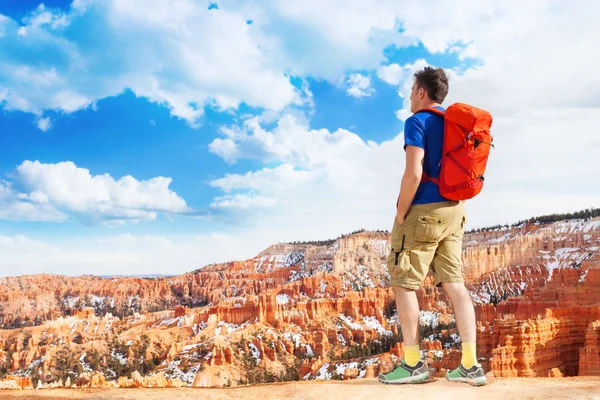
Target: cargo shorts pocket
429,228
399,261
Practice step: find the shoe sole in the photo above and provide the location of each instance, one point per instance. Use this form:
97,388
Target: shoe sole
411,379
472,382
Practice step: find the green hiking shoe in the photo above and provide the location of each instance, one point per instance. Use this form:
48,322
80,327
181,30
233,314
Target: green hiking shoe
473,376
404,373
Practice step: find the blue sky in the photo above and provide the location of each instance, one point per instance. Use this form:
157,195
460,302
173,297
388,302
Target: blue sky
157,137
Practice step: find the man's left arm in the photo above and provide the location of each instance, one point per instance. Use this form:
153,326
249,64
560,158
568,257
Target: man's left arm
410,180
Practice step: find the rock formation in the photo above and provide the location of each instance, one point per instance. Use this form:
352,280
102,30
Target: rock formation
308,312
589,355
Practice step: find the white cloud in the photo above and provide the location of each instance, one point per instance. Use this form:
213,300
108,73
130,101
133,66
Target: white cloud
44,124
278,178
242,202
225,148
330,182
292,142
3,21
335,182
16,206
156,50
359,86
272,183
51,191
325,39
470,51
185,56
512,72
403,114
392,74
174,53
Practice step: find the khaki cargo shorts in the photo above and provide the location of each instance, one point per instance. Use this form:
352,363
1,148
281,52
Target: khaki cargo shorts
430,237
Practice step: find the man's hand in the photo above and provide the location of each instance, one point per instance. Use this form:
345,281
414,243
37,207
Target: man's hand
400,219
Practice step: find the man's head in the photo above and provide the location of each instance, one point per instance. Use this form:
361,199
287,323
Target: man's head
430,87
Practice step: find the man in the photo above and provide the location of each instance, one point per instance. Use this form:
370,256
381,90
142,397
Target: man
427,233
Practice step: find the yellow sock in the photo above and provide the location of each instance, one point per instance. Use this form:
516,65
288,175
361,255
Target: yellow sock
469,356
412,355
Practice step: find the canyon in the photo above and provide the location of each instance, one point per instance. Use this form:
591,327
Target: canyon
308,312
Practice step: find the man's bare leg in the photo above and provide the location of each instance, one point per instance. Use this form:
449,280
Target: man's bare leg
469,371
413,369
464,313
407,307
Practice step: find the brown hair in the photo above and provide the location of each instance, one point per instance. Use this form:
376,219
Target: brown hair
434,81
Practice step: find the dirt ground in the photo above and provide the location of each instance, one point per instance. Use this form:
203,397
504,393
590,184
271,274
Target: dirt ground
501,389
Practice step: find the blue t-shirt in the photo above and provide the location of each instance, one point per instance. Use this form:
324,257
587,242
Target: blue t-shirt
426,130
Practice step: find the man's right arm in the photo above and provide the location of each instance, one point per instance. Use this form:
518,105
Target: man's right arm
414,146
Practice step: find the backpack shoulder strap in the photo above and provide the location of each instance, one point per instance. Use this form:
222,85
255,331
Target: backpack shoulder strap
432,110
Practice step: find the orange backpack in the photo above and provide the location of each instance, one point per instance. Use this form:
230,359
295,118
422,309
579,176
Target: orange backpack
467,143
